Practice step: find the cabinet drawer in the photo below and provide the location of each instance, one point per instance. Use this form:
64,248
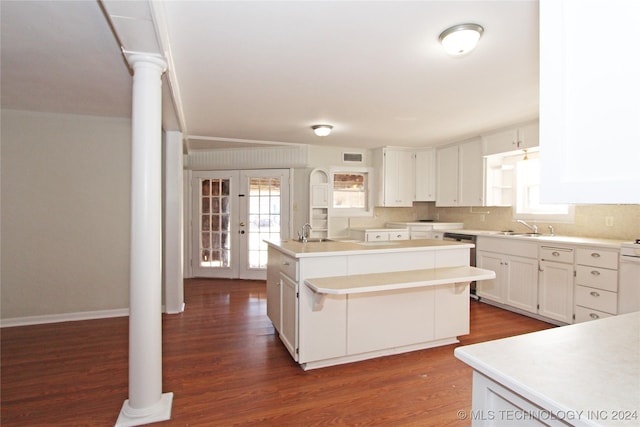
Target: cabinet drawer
597,258
289,266
377,236
399,235
596,277
584,314
556,254
597,299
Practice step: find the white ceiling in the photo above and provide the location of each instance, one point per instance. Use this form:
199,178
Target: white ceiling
265,72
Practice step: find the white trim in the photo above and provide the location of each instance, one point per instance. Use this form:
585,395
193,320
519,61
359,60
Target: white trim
63,317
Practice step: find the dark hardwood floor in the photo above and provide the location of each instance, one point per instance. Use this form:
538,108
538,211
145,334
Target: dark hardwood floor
226,367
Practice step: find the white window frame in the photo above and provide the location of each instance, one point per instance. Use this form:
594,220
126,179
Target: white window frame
529,215
349,212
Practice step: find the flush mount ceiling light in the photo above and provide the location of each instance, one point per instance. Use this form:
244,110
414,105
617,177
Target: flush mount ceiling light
461,39
322,130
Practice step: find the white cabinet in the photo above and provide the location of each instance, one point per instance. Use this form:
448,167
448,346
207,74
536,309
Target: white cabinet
289,325
516,282
425,175
596,291
589,108
447,176
380,235
274,303
395,176
319,203
460,174
512,139
556,283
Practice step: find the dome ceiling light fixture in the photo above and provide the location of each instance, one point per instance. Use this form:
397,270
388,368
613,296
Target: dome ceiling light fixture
461,39
322,130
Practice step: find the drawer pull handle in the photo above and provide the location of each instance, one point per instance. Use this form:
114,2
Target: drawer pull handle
595,272
554,253
594,316
285,263
594,294
595,255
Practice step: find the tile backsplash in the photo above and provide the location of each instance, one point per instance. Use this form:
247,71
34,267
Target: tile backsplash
619,222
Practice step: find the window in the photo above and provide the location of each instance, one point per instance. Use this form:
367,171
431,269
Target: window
528,206
350,192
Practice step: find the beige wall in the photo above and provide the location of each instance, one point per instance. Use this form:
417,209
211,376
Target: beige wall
65,214
590,220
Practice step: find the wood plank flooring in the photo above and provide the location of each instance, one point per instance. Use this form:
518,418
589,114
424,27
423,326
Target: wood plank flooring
226,367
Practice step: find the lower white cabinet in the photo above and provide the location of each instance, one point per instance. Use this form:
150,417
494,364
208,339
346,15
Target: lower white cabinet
373,235
289,324
556,291
556,282
516,282
274,290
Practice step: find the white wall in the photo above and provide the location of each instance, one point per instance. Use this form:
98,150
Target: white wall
65,214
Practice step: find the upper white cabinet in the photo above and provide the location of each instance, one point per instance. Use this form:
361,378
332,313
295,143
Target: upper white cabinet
512,139
425,175
589,109
460,174
395,176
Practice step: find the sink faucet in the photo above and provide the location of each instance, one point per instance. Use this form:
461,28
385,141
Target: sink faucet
533,228
304,232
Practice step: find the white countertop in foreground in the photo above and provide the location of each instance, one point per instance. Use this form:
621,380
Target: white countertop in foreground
298,249
593,367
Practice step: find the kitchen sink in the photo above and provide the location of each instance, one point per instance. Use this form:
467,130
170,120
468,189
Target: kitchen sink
512,233
318,240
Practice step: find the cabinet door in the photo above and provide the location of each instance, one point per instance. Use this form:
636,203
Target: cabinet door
398,178
319,195
556,291
522,283
425,167
471,174
491,289
273,288
501,141
289,327
447,173
529,136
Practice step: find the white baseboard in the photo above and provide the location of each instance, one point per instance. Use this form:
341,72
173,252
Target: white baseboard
64,317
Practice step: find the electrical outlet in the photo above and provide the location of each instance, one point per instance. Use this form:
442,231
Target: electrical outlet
481,218
608,220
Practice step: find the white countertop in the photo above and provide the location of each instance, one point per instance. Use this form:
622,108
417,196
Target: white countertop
376,282
592,367
298,249
575,240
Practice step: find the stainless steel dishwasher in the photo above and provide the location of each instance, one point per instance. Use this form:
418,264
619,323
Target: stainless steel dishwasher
465,238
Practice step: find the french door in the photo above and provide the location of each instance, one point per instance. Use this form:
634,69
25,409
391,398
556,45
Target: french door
233,212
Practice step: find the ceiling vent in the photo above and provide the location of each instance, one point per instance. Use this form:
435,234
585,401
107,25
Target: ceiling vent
352,158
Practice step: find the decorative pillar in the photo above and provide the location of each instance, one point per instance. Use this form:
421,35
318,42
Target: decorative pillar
146,403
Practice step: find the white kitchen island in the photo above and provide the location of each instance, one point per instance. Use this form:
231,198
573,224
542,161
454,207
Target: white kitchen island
586,374
340,302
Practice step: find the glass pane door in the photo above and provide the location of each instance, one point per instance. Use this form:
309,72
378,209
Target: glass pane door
265,210
214,242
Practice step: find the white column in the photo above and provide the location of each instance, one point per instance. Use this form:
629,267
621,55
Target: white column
173,223
146,403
